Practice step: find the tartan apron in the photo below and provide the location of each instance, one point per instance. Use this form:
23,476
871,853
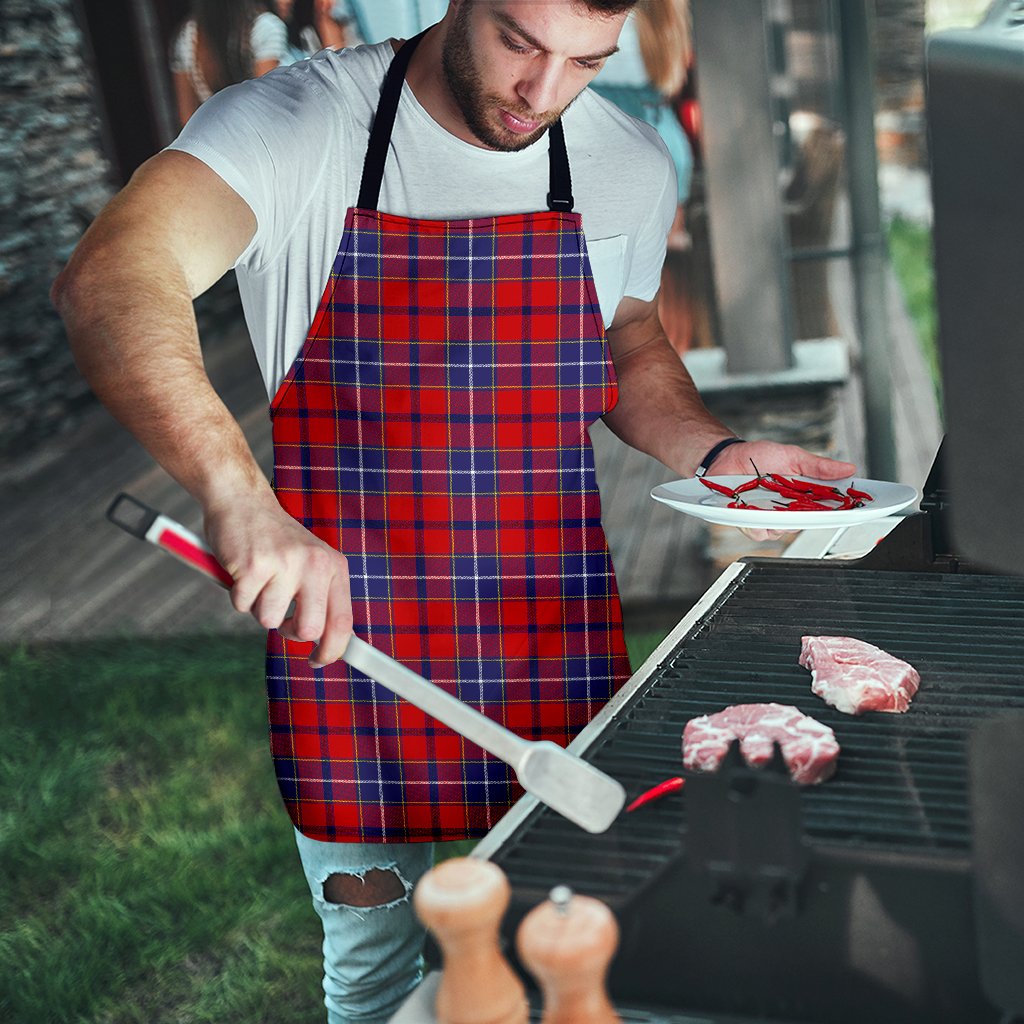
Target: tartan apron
434,429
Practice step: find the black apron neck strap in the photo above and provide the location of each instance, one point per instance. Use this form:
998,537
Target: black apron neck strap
560,194
383,122
560,185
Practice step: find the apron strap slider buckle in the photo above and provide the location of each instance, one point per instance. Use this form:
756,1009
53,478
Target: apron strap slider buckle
560,204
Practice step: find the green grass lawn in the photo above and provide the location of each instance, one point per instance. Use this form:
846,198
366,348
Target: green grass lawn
147,867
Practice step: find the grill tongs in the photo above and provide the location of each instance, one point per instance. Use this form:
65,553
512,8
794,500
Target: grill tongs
568,785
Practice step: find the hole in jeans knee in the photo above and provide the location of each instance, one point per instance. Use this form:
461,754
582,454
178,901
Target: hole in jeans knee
375,888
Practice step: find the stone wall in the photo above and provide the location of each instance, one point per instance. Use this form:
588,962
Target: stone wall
54,178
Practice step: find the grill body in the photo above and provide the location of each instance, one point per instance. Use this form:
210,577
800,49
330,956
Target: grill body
842,902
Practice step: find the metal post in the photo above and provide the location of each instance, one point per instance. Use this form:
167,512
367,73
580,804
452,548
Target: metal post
748,243
868,241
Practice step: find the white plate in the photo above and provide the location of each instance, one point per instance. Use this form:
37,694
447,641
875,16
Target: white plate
693,498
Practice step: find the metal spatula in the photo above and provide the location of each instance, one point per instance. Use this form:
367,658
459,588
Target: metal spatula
573,788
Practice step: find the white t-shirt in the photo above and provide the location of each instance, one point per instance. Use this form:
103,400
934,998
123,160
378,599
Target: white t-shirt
292,144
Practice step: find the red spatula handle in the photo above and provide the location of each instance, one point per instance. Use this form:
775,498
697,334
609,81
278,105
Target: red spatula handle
147,524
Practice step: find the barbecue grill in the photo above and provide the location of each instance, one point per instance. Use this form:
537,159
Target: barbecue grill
746,897
895,890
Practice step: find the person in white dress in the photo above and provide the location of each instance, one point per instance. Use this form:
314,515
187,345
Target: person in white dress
221,43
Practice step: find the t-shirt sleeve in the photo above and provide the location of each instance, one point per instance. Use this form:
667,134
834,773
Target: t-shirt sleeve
644,278
269,38
269,140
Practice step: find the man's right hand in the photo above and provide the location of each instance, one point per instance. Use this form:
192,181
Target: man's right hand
276,561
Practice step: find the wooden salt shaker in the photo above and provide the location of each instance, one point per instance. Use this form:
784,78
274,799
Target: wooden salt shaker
567,943
462,901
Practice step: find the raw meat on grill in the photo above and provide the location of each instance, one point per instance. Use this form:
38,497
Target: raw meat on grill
809,748
855,677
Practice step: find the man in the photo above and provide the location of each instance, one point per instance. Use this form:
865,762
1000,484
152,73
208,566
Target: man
430,432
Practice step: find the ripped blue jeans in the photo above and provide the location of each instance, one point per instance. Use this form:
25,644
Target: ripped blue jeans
372,954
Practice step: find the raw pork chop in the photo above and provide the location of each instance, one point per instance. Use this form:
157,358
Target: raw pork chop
855,677
809,748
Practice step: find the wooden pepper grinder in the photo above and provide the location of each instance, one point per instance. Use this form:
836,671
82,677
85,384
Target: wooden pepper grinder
567,943
462,901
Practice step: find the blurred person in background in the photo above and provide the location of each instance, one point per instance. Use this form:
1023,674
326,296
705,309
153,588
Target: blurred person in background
221,43
373,21
314,25
647,75
646,78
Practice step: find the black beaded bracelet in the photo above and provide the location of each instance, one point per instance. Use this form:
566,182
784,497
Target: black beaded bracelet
705,463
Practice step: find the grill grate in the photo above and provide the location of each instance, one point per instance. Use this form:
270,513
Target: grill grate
901,786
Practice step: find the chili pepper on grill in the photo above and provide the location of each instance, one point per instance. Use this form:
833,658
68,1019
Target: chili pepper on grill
656,793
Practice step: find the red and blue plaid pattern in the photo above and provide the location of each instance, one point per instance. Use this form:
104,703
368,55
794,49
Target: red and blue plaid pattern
434,429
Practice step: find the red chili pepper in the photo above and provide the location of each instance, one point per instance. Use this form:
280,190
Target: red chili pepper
770,484
656,792
793,485
821,490
787,492
721,488
809,487
808,505
862,495
749,485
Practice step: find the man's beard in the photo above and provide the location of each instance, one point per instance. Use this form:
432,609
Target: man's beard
465,85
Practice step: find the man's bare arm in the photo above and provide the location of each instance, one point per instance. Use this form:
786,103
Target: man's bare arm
659,410
661,413
126,299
